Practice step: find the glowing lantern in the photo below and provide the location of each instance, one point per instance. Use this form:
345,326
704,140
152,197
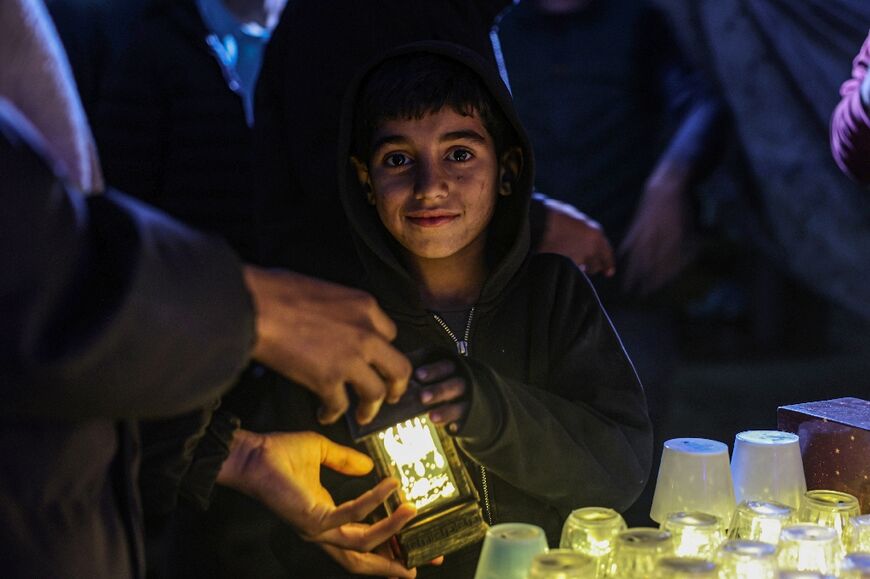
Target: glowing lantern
406,445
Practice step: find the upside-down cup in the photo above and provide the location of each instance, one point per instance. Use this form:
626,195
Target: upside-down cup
761,521
694,475
766,466
508,550
742,559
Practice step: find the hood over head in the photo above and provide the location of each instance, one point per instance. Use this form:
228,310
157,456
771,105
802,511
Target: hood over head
508,232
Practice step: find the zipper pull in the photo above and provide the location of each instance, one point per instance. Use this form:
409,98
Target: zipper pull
462,347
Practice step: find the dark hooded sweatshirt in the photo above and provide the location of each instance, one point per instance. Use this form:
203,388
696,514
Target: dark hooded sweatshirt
557,418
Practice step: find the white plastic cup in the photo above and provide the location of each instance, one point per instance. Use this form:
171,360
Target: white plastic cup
694,475
508,551
766,466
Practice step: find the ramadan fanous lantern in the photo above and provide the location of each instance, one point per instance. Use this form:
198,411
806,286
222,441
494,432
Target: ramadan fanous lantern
406,445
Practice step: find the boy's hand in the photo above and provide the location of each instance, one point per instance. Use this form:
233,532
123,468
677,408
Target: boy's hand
324,336
444,387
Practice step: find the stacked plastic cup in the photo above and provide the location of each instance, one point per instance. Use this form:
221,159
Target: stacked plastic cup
767,466
508,550
694,475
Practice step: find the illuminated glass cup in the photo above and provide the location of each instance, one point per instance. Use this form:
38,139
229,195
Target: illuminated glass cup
767,466
855,566
694,534
592,531
637,552
686,568
859,534
694,475
830,509
742,559
562,564
760,521
807,547
508,551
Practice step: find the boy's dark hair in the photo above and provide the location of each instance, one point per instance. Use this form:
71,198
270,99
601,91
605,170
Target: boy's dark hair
410,86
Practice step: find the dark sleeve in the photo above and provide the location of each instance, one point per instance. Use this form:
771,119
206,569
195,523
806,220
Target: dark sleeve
109,308
589,408
181,457
850,124
697,113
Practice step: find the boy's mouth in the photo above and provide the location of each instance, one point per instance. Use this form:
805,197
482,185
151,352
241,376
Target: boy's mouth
431,218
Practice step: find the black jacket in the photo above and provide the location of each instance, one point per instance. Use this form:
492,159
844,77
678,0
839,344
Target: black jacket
171,131
92,296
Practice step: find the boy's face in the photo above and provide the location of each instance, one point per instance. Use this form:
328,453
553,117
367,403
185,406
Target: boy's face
434,182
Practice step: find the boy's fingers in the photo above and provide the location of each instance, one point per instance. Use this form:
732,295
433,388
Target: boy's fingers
435,371
450,414
445,391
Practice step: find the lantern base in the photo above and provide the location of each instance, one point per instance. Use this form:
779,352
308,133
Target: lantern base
440,533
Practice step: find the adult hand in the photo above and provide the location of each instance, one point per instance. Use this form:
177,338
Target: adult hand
282,471
656,247
572,233
444,388
323,335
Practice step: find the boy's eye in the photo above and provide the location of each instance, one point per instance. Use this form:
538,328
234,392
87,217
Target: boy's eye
396,160
460,155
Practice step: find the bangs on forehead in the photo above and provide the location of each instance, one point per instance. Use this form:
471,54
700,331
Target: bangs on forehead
412,86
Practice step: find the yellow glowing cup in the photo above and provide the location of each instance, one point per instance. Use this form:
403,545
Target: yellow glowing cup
637,552
694,534
592,531
562,564
743,559
686,568
807,547
830,509
859,534
760,521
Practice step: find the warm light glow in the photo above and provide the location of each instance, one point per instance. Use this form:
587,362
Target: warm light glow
740,559
760,521
417,460
694,534
809,548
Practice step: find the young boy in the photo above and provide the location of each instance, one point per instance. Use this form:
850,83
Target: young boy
553,417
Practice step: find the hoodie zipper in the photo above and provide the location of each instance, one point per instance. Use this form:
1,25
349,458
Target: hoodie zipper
462,349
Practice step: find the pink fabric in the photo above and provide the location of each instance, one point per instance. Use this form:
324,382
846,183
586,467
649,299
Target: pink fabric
850,124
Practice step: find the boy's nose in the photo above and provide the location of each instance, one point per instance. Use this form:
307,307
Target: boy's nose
430,181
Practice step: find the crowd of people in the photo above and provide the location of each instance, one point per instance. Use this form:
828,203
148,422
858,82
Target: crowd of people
254,210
